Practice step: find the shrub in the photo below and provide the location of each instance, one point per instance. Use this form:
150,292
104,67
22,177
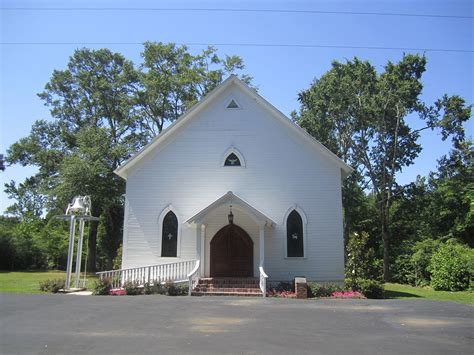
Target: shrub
173,289
362,261
52,285
322,290
102,287
420,260
370,288
402,269
132,288
154,288
450,267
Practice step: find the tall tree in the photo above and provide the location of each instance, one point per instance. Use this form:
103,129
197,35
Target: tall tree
362,116
104,109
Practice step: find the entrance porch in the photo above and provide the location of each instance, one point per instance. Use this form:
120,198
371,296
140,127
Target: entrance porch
230,240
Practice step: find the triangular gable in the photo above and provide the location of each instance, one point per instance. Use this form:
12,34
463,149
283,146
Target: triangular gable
122,170
235,200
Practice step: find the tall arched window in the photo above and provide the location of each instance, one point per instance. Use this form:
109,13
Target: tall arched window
294,235
169,235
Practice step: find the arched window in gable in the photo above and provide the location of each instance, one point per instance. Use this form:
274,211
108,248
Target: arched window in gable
233,157
232,160
294,235
169,235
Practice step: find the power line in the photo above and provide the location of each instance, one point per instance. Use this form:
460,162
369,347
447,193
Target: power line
323,12
282,45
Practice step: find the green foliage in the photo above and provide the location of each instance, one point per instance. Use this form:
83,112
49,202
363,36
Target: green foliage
322,289
104,109
154,288
361,115
362,261
421,260
133,288
450,267
402,269
369,288
173,289
52,285
102,287
117,262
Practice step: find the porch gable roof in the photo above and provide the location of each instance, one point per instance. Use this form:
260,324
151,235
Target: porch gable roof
231,198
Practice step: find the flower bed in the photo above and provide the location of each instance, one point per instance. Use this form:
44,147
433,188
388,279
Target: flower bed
347,294
281,293
117,292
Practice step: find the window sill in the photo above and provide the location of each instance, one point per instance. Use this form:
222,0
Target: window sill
296,257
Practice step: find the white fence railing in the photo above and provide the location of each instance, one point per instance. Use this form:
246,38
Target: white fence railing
193,277
171,272
263,281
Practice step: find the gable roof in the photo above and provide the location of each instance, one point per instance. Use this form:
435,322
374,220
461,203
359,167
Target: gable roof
123,169
231,198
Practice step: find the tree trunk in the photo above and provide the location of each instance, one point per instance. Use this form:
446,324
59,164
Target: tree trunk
386,244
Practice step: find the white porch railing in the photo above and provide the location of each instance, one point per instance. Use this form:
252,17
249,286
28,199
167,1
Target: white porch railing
193,277
263,281
171,272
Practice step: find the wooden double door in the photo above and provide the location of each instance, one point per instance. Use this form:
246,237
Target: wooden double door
231,253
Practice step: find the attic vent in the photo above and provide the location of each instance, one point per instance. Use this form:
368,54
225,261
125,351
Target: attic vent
233,104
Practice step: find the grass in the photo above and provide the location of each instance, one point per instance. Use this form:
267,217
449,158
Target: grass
28,281
397,291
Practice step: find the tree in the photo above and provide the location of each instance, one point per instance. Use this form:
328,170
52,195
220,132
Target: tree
104,109
361,115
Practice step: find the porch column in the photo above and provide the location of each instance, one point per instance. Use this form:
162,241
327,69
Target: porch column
198,241
199,251
261,245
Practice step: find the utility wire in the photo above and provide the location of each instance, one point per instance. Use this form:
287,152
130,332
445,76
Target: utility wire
282,45
398,14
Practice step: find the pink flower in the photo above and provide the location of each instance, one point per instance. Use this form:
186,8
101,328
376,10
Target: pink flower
117,292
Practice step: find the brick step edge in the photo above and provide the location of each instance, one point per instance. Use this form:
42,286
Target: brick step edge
227,289
240,294
229,282
229,286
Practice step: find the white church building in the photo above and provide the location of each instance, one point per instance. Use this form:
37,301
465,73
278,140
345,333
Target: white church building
234,188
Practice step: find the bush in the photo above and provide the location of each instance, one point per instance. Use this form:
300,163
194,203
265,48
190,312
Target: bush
154,288
402,269
322,290
362,261
173,289
420,260
132,288
102,287
52,285
370,288
450,267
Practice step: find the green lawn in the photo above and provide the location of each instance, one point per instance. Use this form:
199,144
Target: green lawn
28,281
398,291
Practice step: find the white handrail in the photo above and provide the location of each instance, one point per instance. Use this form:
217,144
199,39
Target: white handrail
170,272
193,277
263,281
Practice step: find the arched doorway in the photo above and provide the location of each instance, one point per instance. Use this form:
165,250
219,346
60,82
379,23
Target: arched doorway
231,253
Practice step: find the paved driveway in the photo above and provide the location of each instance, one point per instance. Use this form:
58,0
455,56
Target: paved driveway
60,324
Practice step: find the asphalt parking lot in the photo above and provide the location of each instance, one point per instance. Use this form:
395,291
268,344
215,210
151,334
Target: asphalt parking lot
70,324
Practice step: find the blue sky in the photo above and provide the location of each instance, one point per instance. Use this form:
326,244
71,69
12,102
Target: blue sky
279,72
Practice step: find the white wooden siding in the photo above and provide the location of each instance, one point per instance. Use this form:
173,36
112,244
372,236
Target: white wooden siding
280,171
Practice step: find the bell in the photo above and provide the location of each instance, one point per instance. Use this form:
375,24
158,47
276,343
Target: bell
77,205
